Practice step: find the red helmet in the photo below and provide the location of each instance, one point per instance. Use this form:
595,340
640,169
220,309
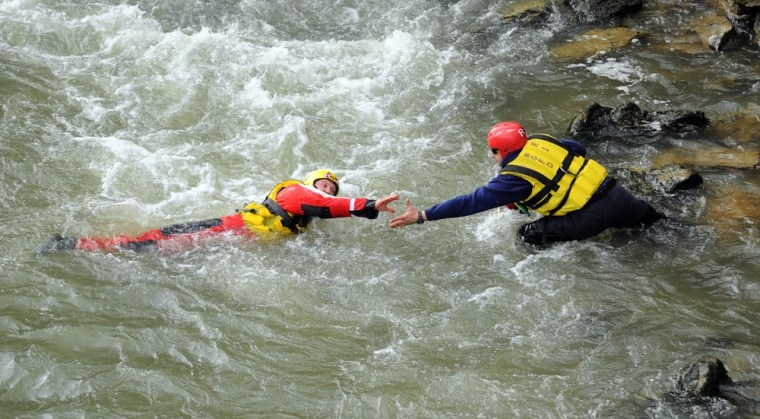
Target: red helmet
507,137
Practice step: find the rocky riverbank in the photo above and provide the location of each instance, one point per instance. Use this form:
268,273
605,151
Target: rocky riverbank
593,29
721,26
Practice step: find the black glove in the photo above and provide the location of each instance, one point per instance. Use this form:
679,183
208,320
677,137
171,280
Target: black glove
368,211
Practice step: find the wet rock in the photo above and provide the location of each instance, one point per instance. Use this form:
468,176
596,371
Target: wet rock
705,386
525,10
596,42
703,378
632,124
662,34
724,25
756,27
713,157
714,31
742,15
596,10
666,180
718,25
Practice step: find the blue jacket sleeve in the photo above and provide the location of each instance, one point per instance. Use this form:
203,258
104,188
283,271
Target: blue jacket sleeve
501,190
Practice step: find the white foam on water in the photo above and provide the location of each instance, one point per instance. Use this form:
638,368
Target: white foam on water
621,71
256,95
486,296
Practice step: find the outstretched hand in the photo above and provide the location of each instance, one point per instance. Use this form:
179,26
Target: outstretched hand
382,203
408,217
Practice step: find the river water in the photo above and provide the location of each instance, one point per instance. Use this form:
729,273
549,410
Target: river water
118,117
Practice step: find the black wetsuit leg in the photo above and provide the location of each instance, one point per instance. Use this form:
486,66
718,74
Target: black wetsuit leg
610,207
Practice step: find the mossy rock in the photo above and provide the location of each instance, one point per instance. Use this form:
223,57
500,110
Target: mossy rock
596,42
524,10
709,158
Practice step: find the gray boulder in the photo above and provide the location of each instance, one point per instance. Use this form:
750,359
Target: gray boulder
632,124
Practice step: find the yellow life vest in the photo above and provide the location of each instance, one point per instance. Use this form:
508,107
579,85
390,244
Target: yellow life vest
268,217
562,180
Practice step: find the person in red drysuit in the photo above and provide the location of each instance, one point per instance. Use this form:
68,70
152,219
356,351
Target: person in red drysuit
287,210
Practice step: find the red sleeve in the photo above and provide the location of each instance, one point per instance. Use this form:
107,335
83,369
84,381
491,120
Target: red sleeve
305,200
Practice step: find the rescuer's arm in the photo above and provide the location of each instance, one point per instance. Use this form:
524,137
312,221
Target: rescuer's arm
304,200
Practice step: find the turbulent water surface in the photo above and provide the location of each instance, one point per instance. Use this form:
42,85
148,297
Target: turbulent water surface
118,117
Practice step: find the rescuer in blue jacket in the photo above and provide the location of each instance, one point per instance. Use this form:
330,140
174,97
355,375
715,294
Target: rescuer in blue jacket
575,195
